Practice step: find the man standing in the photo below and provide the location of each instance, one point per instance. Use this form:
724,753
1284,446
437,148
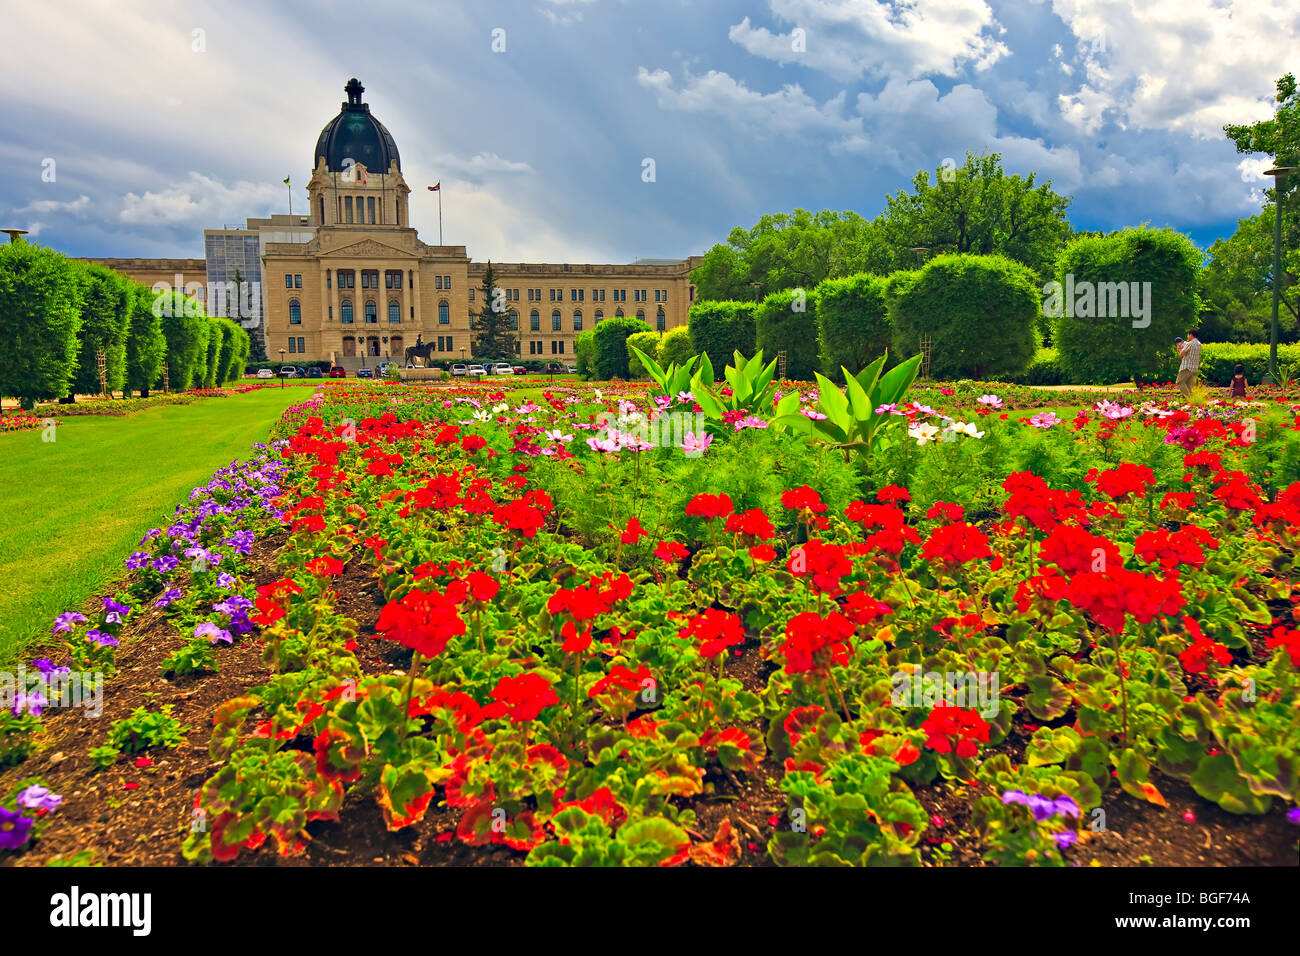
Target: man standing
1191,364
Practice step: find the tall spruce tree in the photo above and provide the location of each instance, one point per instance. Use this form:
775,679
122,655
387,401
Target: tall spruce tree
493,336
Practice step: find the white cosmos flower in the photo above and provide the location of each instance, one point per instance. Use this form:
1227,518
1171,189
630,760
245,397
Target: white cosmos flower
557,435
923,433
482,416
966,428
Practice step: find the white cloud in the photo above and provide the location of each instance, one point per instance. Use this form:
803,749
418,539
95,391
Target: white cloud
1181,65
53,205
480,164
851,38
200,201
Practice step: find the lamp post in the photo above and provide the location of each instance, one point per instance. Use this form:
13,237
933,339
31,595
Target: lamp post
282,376
1279,174
15,235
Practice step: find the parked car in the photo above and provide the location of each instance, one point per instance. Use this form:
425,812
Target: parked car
315,372
365,373
288,371
571,369
338,371
501,368
458,369
265,373
520,370
553,368
475,371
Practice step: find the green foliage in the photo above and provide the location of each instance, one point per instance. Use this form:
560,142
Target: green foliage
1045,368
851,421
645,342
751,383
185,328
1219,360
145,344
101,758
146,729
584,347
675,347
979,311
852,322
494,334
785,321
108,300
610,359
977,208
786,250
1116,348
720,328
16,736
40,315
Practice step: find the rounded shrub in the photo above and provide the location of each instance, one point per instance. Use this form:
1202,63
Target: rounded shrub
786,321
610,356
647,342
108,298
1220,359
1044,369
1123,299
675,347
145,344
185,328
853,327
979,312
720,328
584,347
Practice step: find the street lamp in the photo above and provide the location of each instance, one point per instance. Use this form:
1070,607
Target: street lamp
1279,174
282,376
15,235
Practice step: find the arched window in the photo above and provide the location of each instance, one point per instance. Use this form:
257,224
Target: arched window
394,313
346,309
372,313
577,320
661,320
600,314
535,321
514,320
444,313
618,313
640,315
557,322
295,312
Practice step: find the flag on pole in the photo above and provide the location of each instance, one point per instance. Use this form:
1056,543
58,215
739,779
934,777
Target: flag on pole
434,189
286,180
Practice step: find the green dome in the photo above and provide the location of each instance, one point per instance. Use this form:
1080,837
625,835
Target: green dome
357,136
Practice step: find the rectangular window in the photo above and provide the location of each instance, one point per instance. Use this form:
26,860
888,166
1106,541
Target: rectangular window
288,281
347,208
471,295
347,279
297,282
329,280
293,345
412,313
331,313
553,349
370,208
302,344
446,282
437,282
561,347
449,347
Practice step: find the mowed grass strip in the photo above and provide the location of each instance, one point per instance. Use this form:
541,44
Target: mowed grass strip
71,510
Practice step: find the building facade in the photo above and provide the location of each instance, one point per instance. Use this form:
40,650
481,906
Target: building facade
364,287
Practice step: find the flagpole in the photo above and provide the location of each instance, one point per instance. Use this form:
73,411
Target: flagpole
289,187
439,213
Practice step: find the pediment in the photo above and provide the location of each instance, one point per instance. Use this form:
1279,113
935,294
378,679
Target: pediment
369,249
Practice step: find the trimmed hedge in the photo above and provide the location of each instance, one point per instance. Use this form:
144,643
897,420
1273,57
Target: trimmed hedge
979,311
584,347
185,328
853,326
787,321
1101,350
109,298
675,347
1044,369
1219,359
721,328
610,355
145,344
40,315
647,342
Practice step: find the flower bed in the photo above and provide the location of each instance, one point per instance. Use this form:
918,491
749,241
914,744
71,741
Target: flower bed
446,625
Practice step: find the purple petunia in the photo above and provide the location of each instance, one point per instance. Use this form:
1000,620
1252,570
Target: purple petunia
213,633
138,560
166,564
101,638
30,702
14,829
115,613
37,797
1294,815
168,597
225,580
67,620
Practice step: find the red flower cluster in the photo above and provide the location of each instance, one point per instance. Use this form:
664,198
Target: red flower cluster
1044,508
1109,596
716,630
523,697
949,729
1124,480
814,643
270,601
804,500
424,621
709,507
671,551
1171,549
1197,655
957,543
584,604
1075,551
753,524
823,563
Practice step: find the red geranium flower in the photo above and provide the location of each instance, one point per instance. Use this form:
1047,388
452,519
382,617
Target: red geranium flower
525,696
422,620
709,507
716,630
670,551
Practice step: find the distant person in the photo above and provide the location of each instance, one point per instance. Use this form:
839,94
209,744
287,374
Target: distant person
1190,351
1237,387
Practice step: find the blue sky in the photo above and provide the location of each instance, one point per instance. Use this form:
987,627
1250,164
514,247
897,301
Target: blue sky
163,118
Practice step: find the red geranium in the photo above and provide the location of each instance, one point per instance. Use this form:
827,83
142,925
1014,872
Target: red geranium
709,507
814,643
424,621
754,524
957,543
949,729
524,696
715,630
670,551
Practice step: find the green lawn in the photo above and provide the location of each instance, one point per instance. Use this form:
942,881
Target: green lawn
73,509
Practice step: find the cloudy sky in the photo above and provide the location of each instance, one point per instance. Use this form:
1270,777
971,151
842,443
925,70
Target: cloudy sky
156,119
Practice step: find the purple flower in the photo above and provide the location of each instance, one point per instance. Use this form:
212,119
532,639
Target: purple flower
39,798
166,564
101,638
225,580
32,703
167,597
114,612
14,829
1294,815
138,560
67,620
1066,807
213,633
233,605
1068,838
